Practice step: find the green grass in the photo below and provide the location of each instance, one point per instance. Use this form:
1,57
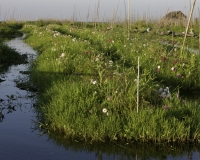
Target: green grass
9,56
10,29
87,83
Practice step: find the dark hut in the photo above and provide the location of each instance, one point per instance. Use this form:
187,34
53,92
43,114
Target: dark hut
174,18
175,15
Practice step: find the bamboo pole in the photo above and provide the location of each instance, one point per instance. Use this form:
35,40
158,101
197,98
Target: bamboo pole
138,84
97,15
199,30
186,30
128,19
116,12
125,24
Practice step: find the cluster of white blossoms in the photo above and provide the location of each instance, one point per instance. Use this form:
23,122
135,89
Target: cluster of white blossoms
165,93
93,81
56,33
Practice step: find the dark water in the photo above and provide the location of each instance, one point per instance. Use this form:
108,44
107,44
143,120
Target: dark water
20,140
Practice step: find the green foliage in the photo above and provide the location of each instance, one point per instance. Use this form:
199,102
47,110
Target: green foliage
10,28
9,56
88,83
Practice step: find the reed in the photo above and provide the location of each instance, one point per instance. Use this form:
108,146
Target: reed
88,15
138,84
97,14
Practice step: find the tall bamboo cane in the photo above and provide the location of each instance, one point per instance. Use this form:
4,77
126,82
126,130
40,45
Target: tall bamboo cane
128,19
138,84
191,12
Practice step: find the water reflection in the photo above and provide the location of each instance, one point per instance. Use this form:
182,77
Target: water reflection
18,141
13,97
195,51
126,151
12,103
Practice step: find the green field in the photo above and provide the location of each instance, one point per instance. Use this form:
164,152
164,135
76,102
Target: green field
89,89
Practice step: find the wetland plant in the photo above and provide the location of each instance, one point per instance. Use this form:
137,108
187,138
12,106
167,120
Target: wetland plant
88,84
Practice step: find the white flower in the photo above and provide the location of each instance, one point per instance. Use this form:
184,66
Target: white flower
109,98
158,67
160,90
163,94
166,93
104,110
148,29
110,63
62,55
175,49
53,49
93,81
96,59
172,68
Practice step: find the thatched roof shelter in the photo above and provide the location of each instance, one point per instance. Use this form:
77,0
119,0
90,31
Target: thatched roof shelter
174,18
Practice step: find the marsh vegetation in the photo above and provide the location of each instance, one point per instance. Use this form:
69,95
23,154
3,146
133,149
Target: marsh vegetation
87,74
96,83
9,56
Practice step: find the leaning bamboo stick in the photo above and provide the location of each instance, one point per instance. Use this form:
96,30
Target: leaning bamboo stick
191,12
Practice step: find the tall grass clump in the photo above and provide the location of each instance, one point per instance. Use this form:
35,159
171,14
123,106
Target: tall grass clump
87,83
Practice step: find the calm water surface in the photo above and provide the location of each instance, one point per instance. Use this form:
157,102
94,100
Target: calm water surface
19,139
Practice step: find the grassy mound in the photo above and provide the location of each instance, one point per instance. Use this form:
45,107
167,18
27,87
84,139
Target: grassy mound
87,79
9,56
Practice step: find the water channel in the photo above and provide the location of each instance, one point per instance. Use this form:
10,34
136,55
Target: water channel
20,140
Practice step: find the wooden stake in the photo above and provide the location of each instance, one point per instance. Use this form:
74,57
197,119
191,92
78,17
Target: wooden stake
138,84
191,12
128,19
199,30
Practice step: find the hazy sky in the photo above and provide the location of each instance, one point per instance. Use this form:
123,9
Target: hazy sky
79,9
